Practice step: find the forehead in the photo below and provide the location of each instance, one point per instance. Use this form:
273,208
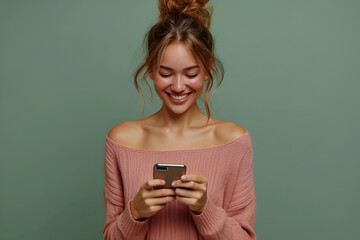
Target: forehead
178,57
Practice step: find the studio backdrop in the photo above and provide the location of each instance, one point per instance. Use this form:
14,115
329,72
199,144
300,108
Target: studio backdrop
291,78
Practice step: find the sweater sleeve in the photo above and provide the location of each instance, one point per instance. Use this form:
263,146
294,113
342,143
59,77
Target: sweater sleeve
238,220
119,223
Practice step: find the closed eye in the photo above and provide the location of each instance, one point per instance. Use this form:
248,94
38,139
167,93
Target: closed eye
189,76
192,76
165,76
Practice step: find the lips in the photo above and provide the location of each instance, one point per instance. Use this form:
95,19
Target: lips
177,99
178,95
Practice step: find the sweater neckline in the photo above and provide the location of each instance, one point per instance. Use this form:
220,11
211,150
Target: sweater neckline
176,150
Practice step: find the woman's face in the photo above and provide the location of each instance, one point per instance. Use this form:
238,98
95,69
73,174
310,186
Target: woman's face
179,75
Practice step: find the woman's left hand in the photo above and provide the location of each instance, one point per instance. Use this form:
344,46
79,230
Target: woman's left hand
192,191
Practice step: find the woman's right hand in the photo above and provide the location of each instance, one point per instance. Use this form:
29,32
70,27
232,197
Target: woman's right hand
149,201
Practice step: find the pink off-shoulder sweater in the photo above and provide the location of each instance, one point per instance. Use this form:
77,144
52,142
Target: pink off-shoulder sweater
230,209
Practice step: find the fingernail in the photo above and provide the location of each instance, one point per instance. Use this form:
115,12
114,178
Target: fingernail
173,184
163,181
183,177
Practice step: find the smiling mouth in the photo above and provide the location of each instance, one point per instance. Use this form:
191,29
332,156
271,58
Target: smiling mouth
178,97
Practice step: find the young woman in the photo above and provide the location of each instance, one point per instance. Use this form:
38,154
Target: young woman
216,197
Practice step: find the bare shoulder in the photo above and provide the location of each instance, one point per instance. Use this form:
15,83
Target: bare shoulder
229,131
126,133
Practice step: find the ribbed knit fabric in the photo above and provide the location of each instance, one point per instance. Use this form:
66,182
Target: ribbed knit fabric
228,214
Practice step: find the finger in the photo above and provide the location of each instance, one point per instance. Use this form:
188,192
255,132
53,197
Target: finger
193,185
186,201
157,208
175,182
159,201
188,193
195,178
153,183
160,193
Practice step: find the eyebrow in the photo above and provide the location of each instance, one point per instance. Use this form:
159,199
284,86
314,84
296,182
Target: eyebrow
188,68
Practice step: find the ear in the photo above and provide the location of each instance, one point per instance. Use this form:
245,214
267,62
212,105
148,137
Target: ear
151,76
212,64
212,67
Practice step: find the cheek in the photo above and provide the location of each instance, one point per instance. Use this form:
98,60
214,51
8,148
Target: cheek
160,84
196,84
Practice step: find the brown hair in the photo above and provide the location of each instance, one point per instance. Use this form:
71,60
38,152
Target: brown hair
188,22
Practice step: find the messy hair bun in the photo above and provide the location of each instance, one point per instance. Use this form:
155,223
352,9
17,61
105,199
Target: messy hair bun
193,8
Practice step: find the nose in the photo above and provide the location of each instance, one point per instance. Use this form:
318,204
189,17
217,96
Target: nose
178,84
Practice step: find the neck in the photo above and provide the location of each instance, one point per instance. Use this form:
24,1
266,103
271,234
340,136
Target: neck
178,124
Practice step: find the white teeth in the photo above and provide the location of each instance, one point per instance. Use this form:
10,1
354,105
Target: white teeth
179,97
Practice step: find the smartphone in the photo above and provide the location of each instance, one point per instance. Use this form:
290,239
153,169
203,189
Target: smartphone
168,172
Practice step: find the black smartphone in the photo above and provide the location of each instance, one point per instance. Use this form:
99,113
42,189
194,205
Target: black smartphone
168,172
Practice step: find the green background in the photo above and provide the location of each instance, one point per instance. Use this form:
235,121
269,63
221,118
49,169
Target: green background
291,78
